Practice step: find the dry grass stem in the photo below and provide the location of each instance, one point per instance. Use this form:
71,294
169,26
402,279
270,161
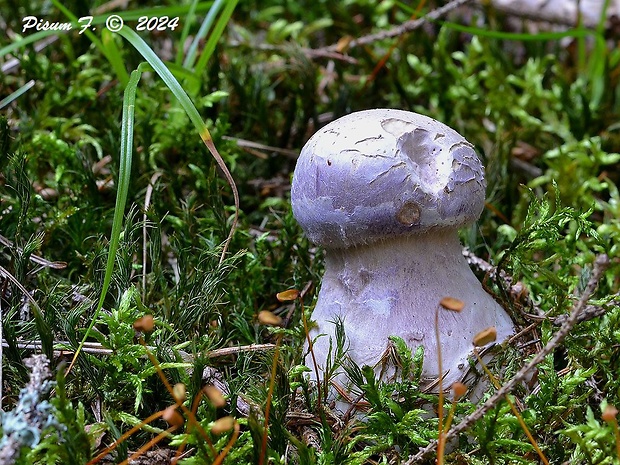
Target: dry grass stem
600,264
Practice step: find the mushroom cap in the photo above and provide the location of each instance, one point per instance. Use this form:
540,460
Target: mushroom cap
380,173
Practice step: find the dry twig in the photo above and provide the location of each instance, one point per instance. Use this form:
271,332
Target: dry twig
95,348
407,26
600,264
335,52
517,291
588,313
34,258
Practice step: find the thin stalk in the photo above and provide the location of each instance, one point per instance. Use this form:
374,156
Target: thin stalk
215,35
441,440
450,415
194,410
1,364
149,445
189,19
124,437
272,383
220,458
15,95
514,410
190,58
190,415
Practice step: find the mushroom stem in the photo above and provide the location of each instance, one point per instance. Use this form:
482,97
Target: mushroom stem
393,287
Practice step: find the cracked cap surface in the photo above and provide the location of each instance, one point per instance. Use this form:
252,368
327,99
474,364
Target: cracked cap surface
379,173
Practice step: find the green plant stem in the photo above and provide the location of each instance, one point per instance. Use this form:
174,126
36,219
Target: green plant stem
215,35
190,57
114,58
189,19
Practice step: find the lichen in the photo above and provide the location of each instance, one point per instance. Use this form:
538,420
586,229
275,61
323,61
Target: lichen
22,427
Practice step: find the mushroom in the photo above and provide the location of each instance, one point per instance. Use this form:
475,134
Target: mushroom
384,193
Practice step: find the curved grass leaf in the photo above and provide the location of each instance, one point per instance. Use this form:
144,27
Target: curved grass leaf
126,156
15,95
176,89
124,172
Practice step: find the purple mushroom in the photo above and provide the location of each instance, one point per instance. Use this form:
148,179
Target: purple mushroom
384,193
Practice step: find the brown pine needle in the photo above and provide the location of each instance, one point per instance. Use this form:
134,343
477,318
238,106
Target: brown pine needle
441,438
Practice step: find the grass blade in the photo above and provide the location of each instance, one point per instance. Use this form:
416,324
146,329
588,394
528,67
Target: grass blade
114,59
15,95
190,58
222,22
519,36
165,74
124,172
